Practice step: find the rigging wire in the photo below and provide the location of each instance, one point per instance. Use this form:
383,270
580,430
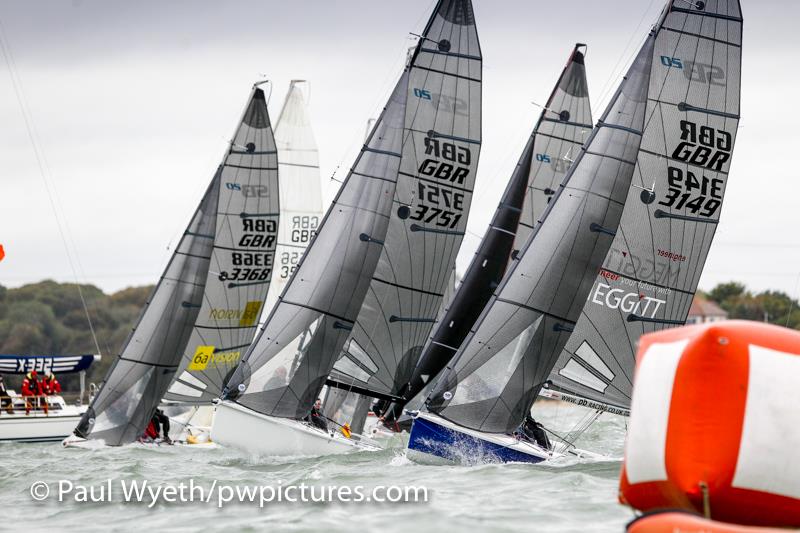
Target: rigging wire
46,175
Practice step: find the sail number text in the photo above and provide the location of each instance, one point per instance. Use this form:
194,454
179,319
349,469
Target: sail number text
703,146
687,192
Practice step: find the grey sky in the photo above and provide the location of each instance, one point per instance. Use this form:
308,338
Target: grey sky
134,101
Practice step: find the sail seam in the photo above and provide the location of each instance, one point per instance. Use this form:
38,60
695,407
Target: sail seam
320,311
705,14
566,123
535,310
450,54
700,36
382,152
405,287
146,363
445,73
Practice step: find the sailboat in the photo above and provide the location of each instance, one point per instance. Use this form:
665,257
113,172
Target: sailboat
651,272
486,392
200,380
563,126
471,408
420,150
205,307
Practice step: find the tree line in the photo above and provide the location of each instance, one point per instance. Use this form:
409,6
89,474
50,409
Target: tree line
48,318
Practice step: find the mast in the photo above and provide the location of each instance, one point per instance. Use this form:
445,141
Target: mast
442,140
242,259
563,125
651,272
499,369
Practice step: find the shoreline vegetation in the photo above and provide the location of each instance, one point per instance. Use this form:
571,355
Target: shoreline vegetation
47,318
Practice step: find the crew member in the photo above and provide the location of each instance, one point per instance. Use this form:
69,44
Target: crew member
533,431
5,399
50,384
158,427
32,391
316,417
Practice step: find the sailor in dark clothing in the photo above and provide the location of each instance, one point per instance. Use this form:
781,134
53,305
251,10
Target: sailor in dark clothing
5,399
316,417
160,423
533,431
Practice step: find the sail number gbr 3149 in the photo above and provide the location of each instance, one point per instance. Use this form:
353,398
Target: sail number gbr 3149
441,204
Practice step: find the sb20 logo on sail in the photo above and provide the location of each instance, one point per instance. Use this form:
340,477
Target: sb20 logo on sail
694,71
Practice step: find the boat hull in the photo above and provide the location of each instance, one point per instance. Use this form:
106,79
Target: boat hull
239,427
435,440
37,426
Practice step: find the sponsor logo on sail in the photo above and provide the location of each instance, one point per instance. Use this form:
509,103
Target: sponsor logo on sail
628,302
201,357
695,71
205,356
246,317
248,191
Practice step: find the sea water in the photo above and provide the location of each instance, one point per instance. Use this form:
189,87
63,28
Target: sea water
96,488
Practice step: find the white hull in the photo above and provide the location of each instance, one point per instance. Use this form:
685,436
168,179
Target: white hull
245,429
40,427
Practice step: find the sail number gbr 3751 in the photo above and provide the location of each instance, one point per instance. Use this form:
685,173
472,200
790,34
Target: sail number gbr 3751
440,202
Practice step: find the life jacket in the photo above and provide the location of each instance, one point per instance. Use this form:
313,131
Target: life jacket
30,385
150,431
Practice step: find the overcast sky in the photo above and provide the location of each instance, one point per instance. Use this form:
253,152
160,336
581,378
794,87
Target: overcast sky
133,103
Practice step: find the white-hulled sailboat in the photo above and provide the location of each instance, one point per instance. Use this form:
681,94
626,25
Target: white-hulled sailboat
205,307
422,139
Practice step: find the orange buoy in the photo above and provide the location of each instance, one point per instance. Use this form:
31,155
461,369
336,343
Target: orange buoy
715,423
679,521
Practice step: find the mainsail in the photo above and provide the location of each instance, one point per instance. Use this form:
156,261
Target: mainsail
242,259
499,369
139,377
442,140
300,188
556,139
651,272
288,365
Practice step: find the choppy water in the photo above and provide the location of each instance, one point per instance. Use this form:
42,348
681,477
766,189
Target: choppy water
575,495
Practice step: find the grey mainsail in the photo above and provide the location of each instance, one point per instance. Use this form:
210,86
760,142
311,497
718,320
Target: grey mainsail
300,341
139,377
242,259
557,136
442,140
496,375
651,272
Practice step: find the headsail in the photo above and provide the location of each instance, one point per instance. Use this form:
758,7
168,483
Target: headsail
442,140
300,186
242,260
555,141
651,273
139,377
500,367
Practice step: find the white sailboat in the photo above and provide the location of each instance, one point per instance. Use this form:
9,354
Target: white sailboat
285,370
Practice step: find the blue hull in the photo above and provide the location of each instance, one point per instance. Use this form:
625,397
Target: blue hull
434,439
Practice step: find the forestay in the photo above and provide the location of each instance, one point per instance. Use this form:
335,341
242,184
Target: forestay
500,367
300,188
441,145
242,259
139,377
651,273
556,139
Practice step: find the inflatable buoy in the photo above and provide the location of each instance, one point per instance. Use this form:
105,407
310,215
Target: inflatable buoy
715,424
677,521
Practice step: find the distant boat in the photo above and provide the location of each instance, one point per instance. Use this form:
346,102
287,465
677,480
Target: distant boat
681,149
563,126
60,418
205,308
420,145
